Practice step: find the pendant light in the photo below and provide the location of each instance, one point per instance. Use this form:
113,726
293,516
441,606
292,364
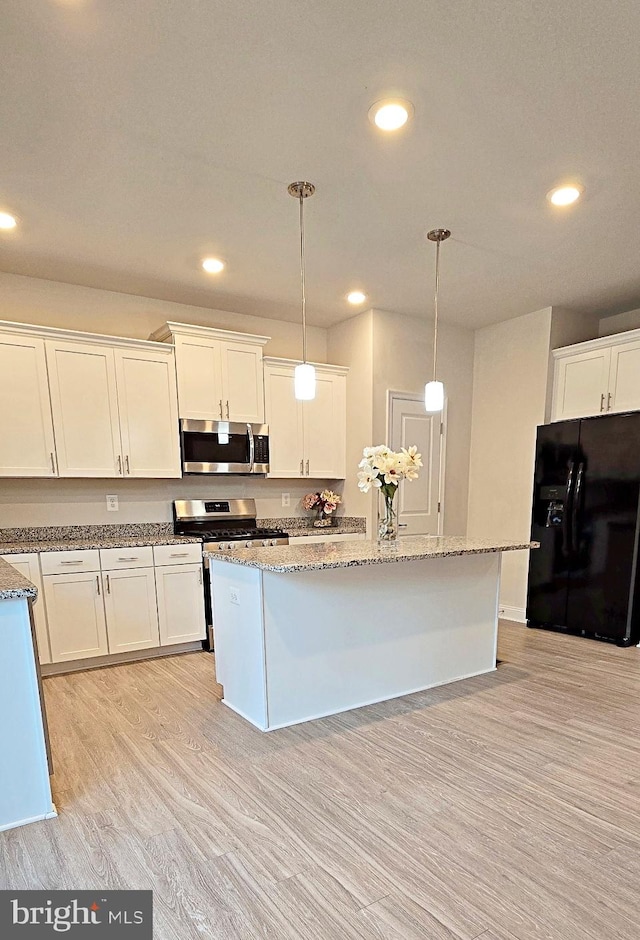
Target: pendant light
434,390
305,374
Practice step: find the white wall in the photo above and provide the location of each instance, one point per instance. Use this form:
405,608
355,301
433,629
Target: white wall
350,343
389,351
509,399
50,303
81,502
619,323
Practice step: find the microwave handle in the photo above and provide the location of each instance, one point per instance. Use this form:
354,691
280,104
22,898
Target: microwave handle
252,448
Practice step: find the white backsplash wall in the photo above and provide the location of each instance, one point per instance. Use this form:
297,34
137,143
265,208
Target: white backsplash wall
83,502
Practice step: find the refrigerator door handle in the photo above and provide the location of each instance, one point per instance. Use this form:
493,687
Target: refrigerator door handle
566,528
576,507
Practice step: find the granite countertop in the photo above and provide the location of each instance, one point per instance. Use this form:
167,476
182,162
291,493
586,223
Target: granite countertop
65,538
303,525
13,584
353,554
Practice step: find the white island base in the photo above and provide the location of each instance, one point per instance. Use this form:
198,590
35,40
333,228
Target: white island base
292,645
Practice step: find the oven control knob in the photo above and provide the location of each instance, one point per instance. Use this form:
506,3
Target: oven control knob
266,542
249,544
274,541
221,547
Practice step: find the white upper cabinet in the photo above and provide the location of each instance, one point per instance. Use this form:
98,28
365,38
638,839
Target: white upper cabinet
284,417
85,409
306,439
219,373
596,377
27,446
148,408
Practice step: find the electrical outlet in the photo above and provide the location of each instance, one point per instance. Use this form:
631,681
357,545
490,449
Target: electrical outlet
286,499
112,504
234,596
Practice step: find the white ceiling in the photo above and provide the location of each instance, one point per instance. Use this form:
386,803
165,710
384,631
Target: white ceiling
139,136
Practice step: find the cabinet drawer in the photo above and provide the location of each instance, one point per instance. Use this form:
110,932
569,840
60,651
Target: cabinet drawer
112,559
68,562
187,554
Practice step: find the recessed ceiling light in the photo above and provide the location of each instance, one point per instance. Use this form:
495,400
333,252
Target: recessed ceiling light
390,115
565,195
356,297
7,221
213,265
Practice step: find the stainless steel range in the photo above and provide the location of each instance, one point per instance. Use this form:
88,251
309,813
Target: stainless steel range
223,525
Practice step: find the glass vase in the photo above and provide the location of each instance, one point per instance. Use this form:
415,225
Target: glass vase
387,517
322,520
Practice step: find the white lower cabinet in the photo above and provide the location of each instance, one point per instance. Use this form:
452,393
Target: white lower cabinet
28,564
75,614
180,603
130,606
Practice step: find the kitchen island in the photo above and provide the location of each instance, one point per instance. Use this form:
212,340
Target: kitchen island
302,632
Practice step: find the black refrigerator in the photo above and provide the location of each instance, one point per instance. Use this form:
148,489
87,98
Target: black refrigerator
586,504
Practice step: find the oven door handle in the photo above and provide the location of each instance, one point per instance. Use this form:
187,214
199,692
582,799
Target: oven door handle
252,448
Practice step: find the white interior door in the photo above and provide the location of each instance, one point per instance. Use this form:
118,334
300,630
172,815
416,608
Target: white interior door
418,500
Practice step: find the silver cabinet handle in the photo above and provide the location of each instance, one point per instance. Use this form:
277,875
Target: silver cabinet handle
119,464
227,409
200,575
602,402
53,463
126,463
609,401
307,468
302,467
80,562
179,554
128,558
98,584
220,408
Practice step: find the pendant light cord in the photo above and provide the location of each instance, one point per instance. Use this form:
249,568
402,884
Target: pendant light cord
435,311
304,297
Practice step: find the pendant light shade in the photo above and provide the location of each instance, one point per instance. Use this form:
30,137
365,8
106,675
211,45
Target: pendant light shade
305,375
304,382
434,390
434,396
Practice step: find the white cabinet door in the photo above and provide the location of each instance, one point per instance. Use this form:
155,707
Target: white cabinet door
242,382
180,603
28,564
580,384
26,428
624,377
199,374
284,417
148,408
130,605
325,432
75,612
84,400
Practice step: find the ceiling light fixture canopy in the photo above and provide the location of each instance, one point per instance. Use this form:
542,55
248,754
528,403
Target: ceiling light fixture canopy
434,390
305,375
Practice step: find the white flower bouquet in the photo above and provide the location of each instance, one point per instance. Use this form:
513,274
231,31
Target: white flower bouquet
383,469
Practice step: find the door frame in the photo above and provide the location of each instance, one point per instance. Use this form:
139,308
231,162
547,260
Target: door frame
393,394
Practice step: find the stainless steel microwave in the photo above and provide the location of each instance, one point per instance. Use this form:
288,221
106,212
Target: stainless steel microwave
224,447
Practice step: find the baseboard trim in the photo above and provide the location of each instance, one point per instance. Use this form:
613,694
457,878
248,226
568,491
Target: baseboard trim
118,659
518,614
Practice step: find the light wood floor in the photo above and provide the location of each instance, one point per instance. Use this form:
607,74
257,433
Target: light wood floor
505,807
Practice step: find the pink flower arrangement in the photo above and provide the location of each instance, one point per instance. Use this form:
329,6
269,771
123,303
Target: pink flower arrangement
324,502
